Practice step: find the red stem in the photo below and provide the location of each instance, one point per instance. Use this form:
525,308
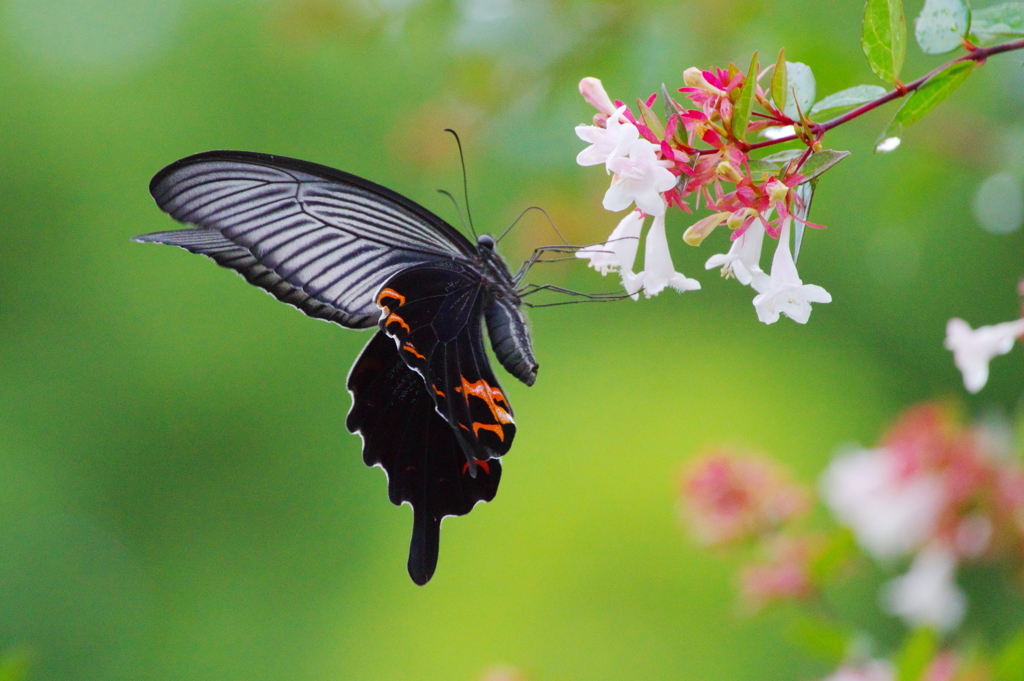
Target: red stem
818,129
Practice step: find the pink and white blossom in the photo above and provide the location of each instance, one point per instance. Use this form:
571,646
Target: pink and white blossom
973,349
593,91
640,177
786,293
614,140
743,260
618,253
726,498
927,595
891,513
659,271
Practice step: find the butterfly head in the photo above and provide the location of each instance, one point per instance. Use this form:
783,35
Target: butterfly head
485,241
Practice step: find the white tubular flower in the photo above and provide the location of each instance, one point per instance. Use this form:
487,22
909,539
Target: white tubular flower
639,178
890,513
609,142
619,252
974,349
927,596
744,259
786,294
659,271
593,91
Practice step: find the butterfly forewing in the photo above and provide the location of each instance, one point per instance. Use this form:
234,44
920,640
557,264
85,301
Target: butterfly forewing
403,433
333,236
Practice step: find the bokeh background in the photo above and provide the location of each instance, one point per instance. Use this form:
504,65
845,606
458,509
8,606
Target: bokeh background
179,498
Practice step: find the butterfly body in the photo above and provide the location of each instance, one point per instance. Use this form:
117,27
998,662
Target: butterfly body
340,248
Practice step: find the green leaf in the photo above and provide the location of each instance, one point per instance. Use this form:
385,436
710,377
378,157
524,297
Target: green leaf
745,102
821,161
801,82
992,23
885,37
942,25
918,650
850,97
781,157
780,80
651,119
1008,664
837,554
760,169
927,97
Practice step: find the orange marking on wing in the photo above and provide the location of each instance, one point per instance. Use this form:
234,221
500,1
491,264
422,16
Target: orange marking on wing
463,426
493,427
410,348
389,293
490,396
483,464
395,318
436,390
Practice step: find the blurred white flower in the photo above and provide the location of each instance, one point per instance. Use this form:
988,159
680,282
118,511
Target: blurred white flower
872,670
639,177
973,349
891,514
778,132
618,253
611,141
927,596
659,271
744,258
786,294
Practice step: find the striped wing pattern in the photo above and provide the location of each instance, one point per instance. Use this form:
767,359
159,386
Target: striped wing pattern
318,238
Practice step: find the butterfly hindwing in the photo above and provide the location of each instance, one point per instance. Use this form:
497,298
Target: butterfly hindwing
434,314
403,433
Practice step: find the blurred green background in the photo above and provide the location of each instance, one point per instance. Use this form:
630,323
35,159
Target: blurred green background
179,498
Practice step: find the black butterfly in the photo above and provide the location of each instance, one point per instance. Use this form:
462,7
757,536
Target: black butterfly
346,250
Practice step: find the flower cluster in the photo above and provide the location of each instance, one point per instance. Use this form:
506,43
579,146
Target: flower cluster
939,492
700,155
727,500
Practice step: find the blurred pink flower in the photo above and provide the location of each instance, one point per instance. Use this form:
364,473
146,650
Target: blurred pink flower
503,673
784,574
727,498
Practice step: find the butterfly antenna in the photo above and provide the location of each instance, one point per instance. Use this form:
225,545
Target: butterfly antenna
456,204
550,222
465,183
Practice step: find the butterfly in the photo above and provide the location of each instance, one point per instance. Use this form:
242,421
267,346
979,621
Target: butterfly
343,249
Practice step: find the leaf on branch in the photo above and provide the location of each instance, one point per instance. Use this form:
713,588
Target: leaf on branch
651,119
1008,664
745,102
926,98
942,25
992,23
885,37
761,169
780,81
819,162
850,97
801,80
780,157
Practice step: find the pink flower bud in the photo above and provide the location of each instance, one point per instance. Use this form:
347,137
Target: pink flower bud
594,93
694,77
